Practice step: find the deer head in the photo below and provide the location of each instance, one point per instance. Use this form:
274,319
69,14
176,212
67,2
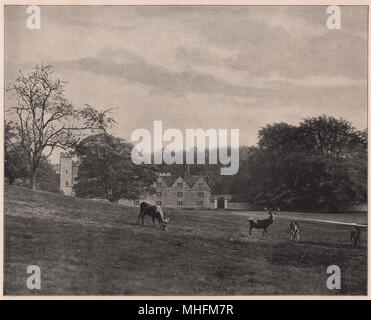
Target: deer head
165,219
272,213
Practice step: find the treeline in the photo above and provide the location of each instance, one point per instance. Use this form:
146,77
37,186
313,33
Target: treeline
319,165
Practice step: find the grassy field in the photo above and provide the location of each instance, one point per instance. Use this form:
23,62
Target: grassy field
86,247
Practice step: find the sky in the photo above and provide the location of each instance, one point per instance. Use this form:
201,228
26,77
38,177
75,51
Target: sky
229,67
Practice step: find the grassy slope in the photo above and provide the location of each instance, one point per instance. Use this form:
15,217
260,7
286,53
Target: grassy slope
89,247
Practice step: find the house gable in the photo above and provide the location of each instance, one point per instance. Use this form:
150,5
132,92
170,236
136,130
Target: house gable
165,182
180,184
201,183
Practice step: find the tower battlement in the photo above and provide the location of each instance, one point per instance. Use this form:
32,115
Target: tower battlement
68,173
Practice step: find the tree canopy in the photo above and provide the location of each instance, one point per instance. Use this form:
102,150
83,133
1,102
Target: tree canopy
321,165
45,119
106,170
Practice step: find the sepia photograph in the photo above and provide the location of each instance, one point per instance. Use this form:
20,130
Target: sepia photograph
185,150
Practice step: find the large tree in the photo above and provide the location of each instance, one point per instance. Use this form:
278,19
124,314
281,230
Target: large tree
321,165
106,170
44,118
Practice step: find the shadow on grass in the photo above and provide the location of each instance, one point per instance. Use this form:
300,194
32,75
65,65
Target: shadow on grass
329,244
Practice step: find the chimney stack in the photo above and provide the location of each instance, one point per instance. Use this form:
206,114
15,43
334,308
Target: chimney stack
186,170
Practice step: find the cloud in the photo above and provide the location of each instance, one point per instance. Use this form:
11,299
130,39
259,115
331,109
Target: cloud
292,41
126,65
318,81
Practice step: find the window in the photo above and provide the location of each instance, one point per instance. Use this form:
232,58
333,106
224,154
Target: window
200,203
158,202
179,194
180,185
200,185
159,194
66,183
75,178
136,202
179,204
200,194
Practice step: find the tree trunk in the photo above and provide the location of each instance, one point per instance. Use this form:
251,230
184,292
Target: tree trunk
33,181
11,179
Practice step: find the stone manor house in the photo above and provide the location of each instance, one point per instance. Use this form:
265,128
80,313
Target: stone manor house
187,191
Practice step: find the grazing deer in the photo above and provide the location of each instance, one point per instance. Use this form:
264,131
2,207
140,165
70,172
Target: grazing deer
355,237
155,212
294,231
262,224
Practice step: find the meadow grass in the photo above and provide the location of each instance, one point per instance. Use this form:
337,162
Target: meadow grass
87,247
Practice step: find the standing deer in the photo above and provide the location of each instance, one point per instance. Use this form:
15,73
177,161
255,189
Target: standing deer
355,237
263,224
294,231
155,212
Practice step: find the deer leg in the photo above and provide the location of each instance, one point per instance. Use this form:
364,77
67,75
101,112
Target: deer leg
143,220
139,217
153,221
265,233
250,231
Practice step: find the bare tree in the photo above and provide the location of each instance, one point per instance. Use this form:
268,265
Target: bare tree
45,118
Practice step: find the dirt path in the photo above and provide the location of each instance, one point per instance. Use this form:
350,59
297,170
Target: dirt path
296,216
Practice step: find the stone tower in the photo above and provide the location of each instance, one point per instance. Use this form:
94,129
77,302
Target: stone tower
66,174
